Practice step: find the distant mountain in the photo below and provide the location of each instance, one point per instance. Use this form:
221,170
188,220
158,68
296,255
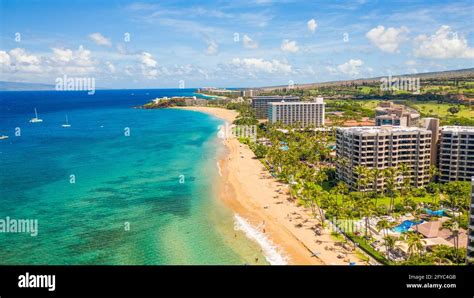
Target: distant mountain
16,86
449,74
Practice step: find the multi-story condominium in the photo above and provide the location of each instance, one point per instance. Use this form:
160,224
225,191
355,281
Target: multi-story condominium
470,234
306,114
456,153
380,147
388,113
260,103
250,92
433,125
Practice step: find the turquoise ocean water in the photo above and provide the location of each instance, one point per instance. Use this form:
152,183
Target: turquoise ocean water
120,182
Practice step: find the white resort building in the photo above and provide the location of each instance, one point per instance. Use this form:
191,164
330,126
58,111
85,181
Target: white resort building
310,113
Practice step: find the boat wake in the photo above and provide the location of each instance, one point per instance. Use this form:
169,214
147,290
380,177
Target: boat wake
270,251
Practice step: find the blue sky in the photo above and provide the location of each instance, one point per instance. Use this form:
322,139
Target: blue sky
230,43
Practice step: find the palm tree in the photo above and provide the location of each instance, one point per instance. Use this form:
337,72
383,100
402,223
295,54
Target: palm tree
384,224
416,218
362,177
390,176
295,189
374,175
341,189
320,177
390,244
367,209
312,194
434,173
415,243
453,227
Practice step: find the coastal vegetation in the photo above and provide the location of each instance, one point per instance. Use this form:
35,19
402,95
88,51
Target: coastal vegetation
165,103
304,160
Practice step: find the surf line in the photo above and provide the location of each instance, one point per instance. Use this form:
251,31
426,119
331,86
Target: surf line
270,250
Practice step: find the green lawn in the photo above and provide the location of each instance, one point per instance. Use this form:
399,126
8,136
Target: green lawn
386,200
428,107
441,110
370,104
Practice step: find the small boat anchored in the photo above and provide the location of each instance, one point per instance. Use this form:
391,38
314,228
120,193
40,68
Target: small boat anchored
3,137
36,119
66,125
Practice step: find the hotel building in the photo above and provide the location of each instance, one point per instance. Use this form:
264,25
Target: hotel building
250,92
470,234
456,153
388,113
380,147
305,113
260,103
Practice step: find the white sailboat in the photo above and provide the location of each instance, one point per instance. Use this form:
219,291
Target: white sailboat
36,119
66,125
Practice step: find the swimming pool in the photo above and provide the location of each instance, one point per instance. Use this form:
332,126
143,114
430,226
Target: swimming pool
405,226
435,213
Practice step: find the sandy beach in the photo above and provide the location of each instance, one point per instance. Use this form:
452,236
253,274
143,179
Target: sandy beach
252,193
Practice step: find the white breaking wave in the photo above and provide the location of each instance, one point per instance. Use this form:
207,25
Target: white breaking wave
219,168
270,251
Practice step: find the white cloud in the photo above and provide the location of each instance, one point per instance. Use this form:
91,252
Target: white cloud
351,67
62,55
212,47
312,25
21,57
443,44
18,60
261,65
148,65
249,43
147,60
82,57
4,58
100,40
289,46
18,63
388,40
78,62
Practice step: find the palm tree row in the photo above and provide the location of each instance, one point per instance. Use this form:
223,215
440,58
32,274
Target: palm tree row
301,158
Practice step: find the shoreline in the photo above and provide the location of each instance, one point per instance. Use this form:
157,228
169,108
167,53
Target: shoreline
212,96
249,190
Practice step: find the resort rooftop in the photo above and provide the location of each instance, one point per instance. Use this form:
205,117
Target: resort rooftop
275,97
378,129
458,128
278,103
